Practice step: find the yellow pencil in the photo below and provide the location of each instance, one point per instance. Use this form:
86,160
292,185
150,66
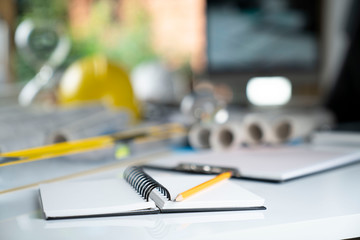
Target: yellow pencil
203,186
83,145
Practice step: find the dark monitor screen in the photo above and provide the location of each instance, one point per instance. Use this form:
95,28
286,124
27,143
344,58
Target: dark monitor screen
260,37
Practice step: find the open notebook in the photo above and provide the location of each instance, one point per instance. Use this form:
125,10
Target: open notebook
138,193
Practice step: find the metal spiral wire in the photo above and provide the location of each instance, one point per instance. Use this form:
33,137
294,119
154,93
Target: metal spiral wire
143,183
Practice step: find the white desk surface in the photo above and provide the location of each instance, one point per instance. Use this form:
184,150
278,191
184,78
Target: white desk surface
321,206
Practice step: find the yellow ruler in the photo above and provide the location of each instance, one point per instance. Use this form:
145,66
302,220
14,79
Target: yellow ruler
89,144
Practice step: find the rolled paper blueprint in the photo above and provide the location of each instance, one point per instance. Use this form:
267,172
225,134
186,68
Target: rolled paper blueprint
28,139
32,128
227,136
11,110
231,134
199,136
274,128
266,128
102,123
303,124
40,120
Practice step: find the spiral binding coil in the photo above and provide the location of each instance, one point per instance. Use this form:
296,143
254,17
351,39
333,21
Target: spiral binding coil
143,183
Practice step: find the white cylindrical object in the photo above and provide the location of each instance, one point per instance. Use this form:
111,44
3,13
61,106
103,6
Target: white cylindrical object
274,128
303,124
263,128
227,136
199,136
155,82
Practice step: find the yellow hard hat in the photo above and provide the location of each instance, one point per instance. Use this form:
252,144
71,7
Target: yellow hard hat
97,79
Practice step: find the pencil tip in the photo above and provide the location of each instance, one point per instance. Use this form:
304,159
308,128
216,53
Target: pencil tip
179,198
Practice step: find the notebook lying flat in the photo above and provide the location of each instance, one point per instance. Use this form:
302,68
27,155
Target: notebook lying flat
136,194
263,163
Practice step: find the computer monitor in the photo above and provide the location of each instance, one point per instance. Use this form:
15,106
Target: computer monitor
252,38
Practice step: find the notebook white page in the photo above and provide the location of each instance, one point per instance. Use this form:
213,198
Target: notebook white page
67,199
225,194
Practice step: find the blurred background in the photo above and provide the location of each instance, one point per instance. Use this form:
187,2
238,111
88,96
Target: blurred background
292,52
228,73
